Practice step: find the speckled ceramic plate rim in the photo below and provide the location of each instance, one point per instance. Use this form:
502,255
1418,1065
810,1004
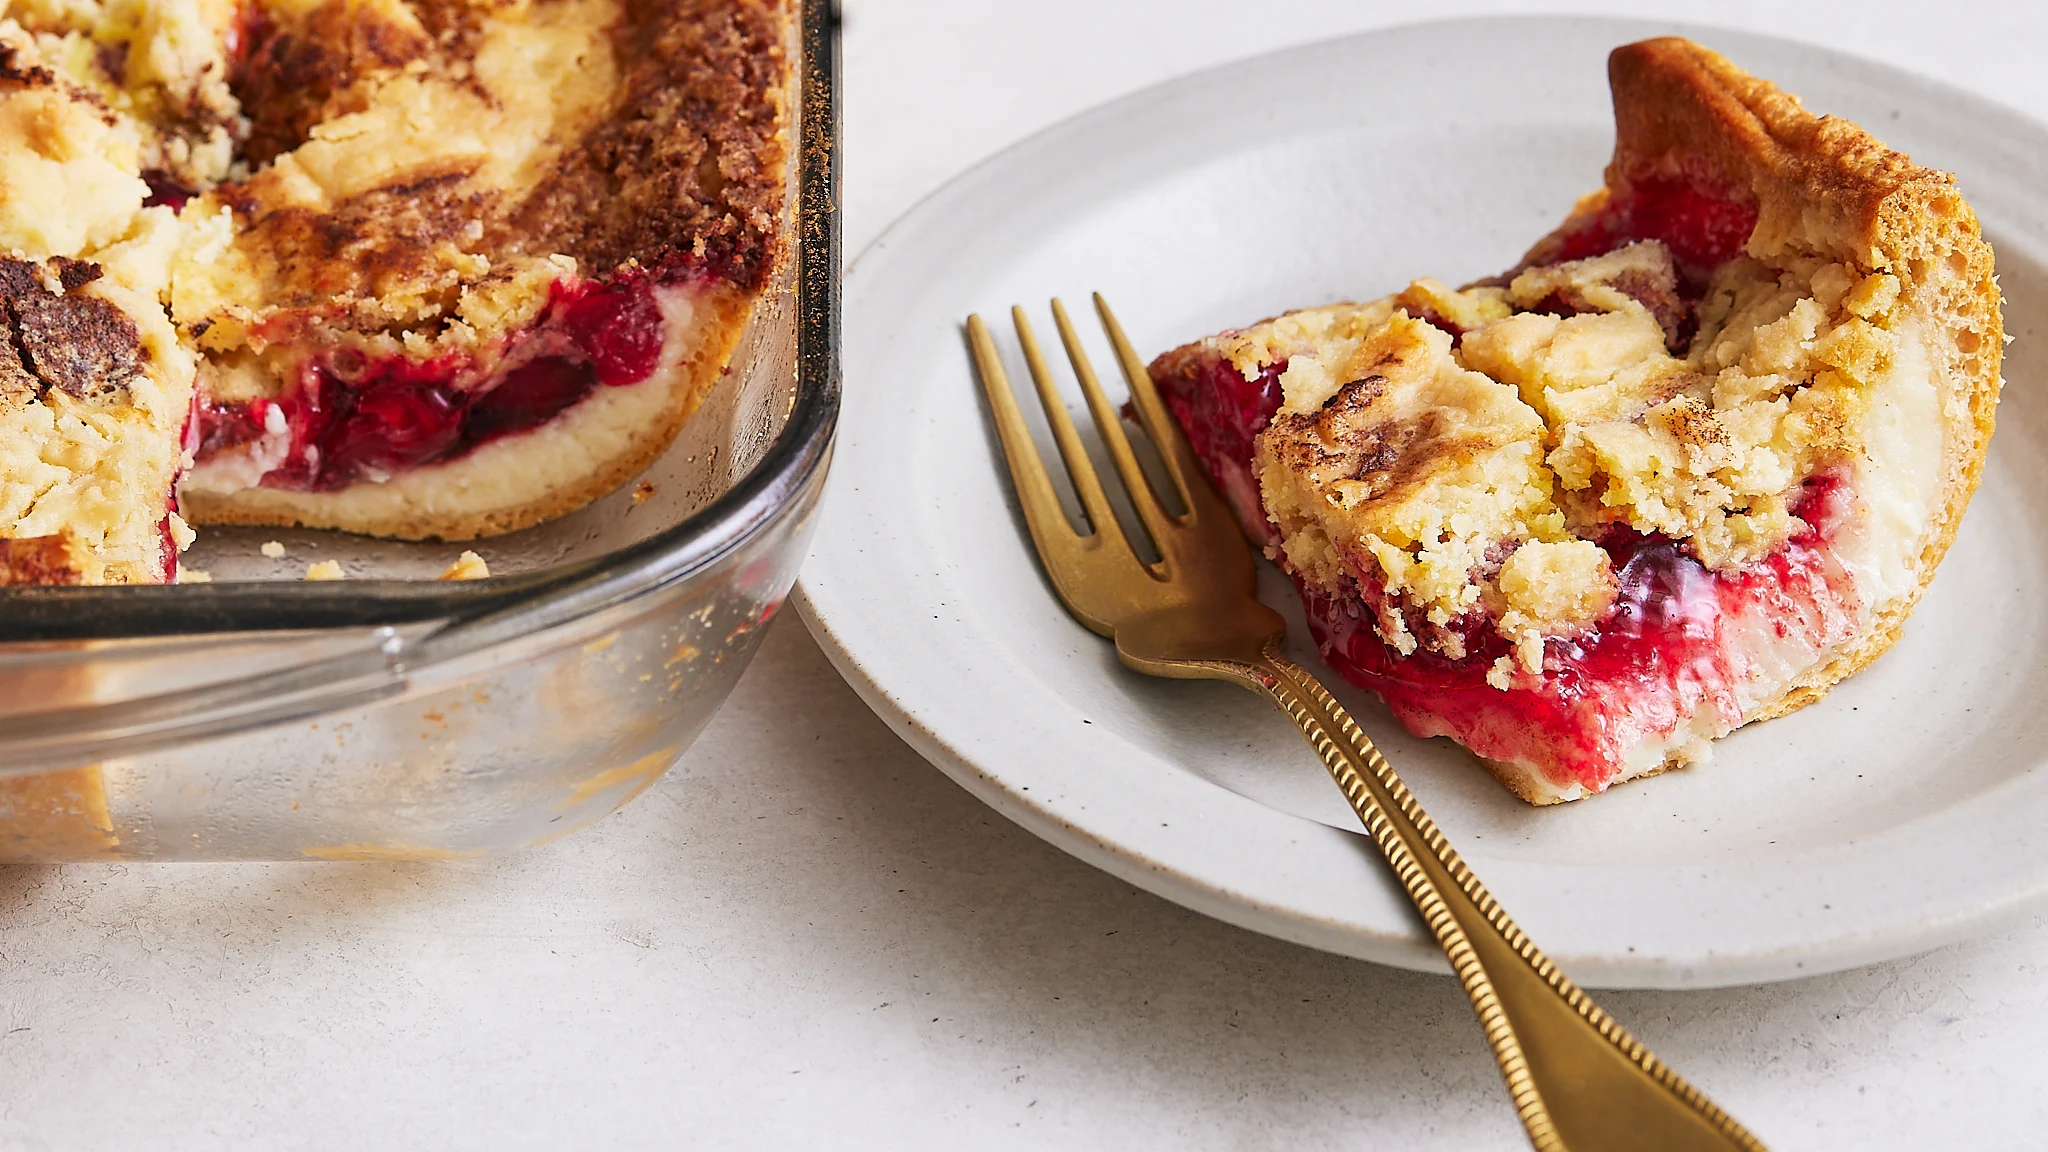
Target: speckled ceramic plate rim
1210,849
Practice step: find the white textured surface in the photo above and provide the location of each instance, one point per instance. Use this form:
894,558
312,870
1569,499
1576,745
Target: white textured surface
806,934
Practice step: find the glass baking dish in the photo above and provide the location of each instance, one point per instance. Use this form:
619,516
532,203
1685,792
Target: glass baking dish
394,716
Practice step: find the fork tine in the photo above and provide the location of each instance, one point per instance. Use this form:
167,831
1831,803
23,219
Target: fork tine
1136,483
1042,511
1108,533
1158,424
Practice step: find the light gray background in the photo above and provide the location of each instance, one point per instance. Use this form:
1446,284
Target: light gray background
805,934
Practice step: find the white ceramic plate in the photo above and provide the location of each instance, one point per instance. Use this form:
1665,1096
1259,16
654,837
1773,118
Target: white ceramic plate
1904,811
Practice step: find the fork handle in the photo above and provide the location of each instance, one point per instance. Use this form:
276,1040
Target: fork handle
1579,1081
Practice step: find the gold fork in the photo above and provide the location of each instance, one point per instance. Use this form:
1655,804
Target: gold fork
1579,1081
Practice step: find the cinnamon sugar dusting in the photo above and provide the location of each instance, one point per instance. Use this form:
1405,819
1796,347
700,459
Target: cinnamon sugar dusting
696,146
425,170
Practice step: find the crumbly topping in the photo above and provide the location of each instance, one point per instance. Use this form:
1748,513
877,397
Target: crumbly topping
69,169
1463,483
425,172
390,152
468,566
400,177
1643,273
161,66
306,64
1418,471
94,386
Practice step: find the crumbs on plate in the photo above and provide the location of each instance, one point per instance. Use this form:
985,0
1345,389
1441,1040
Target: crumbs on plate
468,566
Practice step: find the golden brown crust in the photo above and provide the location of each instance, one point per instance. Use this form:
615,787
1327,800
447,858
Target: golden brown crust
39,560
1532,787
297,68
1823,186
1529,785
680,167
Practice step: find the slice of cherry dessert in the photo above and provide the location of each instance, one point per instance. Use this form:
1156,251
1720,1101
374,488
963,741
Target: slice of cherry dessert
1686,466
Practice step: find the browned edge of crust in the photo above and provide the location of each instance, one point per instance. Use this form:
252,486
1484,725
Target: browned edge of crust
1529,784
40,560
1188,358
1824,186
730,310
1525,782
1183,362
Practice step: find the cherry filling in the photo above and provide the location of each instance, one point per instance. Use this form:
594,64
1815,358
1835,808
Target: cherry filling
1681,641
352,418
167,544
164,191
1222,413
167,541
1703,230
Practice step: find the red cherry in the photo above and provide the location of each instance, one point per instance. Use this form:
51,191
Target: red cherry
395,414
619,328
1703,230
530,396
387,426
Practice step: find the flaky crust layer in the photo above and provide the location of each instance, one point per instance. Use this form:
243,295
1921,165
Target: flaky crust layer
1538,791
1822,187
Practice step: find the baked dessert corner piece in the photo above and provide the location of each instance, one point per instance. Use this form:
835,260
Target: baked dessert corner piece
430,268
492,258
1686,466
